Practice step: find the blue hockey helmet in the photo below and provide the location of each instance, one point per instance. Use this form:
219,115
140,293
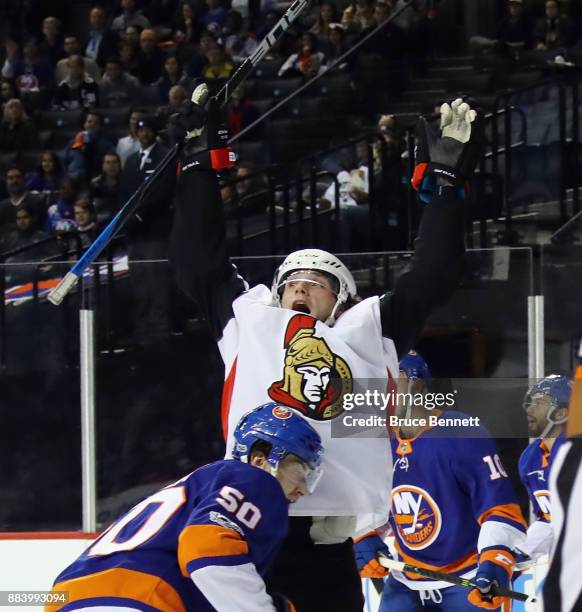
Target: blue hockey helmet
286,431
558,388
414,366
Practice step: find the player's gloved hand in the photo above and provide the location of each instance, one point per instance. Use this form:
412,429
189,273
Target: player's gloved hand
366,550
495,569
202,125
282,604
447,154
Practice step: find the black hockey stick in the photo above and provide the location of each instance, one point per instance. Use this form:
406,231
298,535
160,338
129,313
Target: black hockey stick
400,566
57,295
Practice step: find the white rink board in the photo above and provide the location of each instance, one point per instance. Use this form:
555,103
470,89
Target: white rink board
32,565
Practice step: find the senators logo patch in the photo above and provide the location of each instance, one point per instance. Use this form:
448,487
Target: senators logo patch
417,516
314,378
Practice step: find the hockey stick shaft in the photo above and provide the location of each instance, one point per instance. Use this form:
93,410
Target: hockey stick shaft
400,566
57,295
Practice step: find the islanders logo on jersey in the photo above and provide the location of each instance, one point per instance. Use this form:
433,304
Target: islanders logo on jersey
416,515
314,378
543,498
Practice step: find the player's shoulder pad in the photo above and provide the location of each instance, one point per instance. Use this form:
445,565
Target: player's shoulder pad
257,485
529,453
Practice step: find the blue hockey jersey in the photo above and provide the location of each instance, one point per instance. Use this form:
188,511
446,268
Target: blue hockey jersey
175,551
451,498
534,472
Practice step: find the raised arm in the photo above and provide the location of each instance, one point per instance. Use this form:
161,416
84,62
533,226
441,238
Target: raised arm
444,162
198,244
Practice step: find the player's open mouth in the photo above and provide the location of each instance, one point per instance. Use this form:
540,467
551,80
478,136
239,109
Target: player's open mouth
301,307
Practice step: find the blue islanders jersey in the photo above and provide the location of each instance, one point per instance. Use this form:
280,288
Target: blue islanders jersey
451,498
177,546
534,472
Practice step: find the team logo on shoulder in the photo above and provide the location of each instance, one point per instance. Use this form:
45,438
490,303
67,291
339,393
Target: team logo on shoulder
417,516
314,378
281,412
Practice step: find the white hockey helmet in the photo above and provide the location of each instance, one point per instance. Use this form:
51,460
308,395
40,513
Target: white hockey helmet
322,261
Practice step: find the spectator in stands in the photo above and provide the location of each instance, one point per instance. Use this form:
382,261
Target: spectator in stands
17,196
199,59
172,74
72,46
132,34
128,145
51,45
513,32
326,16
117,87
389,42
78,89
32,72
49,174
176,98
131,15
60,216
84,154
187,25
104,189
241,110
102,42
247,197
215,14
148,236
219,66
307,62
17,132
358,16
238,41
334,45
8,91
25,231
554,31
24,234
128,56
150,58
85,221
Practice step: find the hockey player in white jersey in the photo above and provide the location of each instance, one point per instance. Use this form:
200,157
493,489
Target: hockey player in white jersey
305,341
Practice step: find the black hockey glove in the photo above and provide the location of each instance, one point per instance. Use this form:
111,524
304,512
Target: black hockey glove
447,154
202,124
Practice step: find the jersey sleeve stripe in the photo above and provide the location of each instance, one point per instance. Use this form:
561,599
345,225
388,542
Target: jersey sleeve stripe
227,390
510,512
208,541
125,583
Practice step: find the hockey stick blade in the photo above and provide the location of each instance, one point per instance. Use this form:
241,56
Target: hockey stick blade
400,566
57,295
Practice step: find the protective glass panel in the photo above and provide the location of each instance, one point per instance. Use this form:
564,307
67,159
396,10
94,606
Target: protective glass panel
160,374
561,286
40,442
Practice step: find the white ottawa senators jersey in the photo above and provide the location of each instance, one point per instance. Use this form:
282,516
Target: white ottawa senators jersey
198,544
451,498
276,354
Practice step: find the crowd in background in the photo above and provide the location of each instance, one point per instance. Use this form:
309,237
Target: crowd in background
75,85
